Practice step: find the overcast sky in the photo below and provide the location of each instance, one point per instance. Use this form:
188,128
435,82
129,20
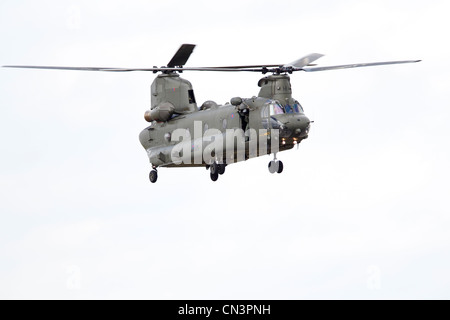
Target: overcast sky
361,210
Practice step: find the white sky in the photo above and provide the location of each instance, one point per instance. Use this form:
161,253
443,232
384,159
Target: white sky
361,210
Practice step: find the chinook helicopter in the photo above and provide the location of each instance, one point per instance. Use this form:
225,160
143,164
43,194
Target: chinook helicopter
212,135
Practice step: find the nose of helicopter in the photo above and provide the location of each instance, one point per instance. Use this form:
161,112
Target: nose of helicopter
299,125
304,125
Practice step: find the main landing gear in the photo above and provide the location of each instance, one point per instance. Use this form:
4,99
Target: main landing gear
153,176
216,169
275,166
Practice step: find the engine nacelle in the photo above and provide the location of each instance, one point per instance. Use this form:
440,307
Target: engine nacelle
161,113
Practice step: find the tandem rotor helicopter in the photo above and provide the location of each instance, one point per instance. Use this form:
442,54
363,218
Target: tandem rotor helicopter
181,134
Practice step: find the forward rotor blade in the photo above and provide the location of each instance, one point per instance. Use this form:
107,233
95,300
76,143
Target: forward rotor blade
297,64
249,66
303,62
357,65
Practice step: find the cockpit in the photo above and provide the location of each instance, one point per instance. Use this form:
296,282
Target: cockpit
276,108
295,108
294,123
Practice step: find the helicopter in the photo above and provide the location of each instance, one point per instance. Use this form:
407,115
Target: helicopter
183,134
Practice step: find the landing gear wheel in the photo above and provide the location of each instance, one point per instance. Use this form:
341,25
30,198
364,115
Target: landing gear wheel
222,168
214,176
214,171
273,166
214,168
280,167
153,176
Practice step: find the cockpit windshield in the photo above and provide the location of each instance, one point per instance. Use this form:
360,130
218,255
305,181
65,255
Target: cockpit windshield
276,108
295,108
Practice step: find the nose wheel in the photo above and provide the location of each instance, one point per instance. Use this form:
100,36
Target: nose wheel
276,166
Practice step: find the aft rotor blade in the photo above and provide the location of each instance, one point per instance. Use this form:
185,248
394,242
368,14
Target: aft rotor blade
182,56
357,65
74,68
225,69
303,62
162,69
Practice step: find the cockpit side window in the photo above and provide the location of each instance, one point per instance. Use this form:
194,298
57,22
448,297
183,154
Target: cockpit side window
298,108
265,112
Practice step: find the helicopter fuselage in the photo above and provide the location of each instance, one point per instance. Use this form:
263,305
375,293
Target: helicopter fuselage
225,134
